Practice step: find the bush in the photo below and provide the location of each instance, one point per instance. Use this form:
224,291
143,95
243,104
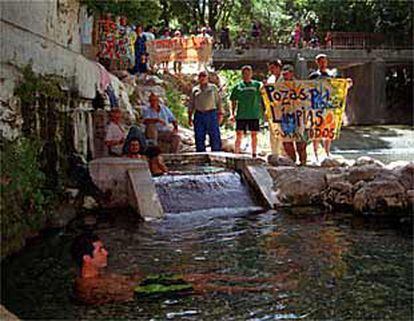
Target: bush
176,104
25,203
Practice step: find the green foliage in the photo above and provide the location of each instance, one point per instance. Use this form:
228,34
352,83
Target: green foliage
137,11
277,18
231,78
175,101
32,84
24,201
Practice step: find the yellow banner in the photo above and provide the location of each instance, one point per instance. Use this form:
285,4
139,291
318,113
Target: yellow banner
305,109
192,49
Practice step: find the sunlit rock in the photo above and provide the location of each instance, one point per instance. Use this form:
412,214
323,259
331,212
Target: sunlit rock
297,186
379,196
366,160
278,160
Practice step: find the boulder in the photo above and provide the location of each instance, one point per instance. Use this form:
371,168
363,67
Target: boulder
332,162
397,165
380,196
342,193
406,175
332,178
278,160
364,172
297,186
366,160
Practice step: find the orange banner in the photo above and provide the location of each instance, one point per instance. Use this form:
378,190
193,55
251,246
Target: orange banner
191,49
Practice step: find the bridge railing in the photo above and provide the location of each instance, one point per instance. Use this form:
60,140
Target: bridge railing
341,40
364,40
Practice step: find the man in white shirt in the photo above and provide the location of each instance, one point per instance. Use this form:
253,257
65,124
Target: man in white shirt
115,133
158,120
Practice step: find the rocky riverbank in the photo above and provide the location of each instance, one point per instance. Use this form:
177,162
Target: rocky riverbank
366,186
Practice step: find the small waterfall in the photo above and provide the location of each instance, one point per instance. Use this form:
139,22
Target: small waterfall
192,192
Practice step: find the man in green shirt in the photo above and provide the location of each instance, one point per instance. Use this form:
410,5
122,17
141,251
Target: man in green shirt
246,99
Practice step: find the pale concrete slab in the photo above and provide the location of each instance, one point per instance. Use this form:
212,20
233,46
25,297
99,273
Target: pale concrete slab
260,180
142,194
111,174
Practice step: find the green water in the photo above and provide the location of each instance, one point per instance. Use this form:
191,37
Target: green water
324,267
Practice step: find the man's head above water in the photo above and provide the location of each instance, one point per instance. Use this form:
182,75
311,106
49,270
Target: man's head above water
89,253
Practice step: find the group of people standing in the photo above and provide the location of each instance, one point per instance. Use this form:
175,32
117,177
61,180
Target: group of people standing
205,115
142,63
206,111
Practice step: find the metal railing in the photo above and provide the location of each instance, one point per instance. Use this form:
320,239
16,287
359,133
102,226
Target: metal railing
340,41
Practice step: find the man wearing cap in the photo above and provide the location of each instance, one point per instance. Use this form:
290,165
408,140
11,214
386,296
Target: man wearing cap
275,68
205,104
299,143
323,73
246,99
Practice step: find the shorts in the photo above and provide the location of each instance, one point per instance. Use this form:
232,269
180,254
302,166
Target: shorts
251,125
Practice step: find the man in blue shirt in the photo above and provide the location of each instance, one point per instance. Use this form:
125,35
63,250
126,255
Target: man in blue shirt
160,124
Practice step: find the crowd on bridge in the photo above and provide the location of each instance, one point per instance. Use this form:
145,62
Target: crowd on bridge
124,46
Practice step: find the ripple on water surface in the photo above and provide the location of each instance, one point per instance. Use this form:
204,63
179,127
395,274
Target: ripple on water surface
267,266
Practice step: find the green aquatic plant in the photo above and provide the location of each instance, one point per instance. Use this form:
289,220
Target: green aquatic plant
163,284
161,288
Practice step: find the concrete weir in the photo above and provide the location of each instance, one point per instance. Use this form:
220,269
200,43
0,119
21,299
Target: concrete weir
253,170
129,183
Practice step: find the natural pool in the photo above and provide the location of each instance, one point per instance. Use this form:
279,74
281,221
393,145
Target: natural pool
267,265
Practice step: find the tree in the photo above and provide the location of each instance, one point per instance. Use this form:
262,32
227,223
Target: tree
137,11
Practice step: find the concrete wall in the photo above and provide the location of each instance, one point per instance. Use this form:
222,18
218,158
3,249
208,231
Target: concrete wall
48,34
367,102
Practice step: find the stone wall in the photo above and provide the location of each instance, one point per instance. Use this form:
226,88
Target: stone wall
47,33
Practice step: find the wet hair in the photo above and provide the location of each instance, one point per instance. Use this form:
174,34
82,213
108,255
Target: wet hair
83,245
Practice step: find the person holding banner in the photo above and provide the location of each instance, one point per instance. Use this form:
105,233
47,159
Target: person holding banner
206,104
177,64
275,68
323,73
246,99
300,144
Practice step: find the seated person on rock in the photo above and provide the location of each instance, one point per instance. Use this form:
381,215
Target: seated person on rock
115,133
92,286
158,120
152,154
